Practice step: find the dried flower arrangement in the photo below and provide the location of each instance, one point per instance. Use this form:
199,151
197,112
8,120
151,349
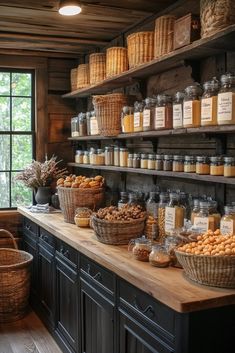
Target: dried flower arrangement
41,174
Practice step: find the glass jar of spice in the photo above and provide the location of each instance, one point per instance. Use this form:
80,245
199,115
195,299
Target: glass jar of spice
88,123
136,160
130,160
203,220
192,106
116,156
138,116
175,213
159,256
92,155
151,161
75,126
217,165
226,100
195,210
178,110
100,159
109,155
82,124
86,157
227,224
229,167
79,157
213,211
140,248
178,164
209,103
163,112
202,165
167,163
151,224
189,164
164,197
159,162
94,130
127,119
148,114
144,161
123,156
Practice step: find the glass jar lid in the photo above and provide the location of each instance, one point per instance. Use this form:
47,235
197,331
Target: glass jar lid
136,155
116,148
100,151
88,115
159,157
130,155
144,156
128,109
168,157
123,149
216,159
202,159
229,159
229,209
178,158
109,148
194,90
164,98
179,96
189,158
79,152
228,78
143,240
152,157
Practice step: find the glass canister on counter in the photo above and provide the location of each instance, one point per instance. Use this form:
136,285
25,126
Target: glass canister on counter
202,165
216,165
79,157
75,126
209,103
94,130
82,124
140,248
178,110
151,227
229,167
109,155
159,256
148,114
178,164
226,100
163,112
189,164
175,213
124,199
138,116
227,224
116,157
127,119
164,198
192,106
167,163
123,156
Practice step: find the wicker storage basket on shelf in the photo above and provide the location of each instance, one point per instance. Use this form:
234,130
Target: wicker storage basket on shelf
83,76
73,79
217,271
163,35
119,232
72,198
216,15
116,61
140,48
108,110
97,63
14,281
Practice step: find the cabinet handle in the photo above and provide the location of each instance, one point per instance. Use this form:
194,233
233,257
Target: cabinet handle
149,309
45,238
28,227
97,276
64,252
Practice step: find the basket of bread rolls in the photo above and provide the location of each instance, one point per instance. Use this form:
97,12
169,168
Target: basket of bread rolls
79,191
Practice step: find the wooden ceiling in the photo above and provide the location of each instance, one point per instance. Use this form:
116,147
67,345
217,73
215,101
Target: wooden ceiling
35,25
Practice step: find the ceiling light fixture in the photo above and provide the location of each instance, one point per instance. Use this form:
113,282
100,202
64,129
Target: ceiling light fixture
69,7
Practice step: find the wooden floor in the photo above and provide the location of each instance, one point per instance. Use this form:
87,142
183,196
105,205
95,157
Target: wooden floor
26,336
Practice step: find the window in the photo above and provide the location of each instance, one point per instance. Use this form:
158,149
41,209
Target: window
16,134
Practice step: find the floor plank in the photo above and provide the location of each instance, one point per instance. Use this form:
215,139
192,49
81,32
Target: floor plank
26,336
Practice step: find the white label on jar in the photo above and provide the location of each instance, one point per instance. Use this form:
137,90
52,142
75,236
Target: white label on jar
206,110
159,117
226,227
94,126
202,223
177,116
146,118
170,218
225,106
136,119
188,113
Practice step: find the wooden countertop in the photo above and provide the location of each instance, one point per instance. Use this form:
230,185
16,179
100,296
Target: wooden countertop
168,285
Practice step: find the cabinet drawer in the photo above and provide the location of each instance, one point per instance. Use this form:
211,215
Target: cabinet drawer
145,307
47,240
66,252
30,228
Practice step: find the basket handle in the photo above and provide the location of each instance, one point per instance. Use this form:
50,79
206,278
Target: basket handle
4,231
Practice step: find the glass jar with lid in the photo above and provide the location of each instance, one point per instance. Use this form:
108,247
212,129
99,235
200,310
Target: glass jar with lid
203,220
140,248
202,165
163,112
138,116
151,225
159,256
164,198
148,114
136,160
79,157
94,129
151,161
82,217
216,165
171,243
227,224
184,201
141,199
195,210
178,110
124,198
209,103
92,155
159,162
189,164
192,106
86,157
133,199
123,156
116,153
144,161
109,155
178,164
226,100
213,211
82,124
127,119
75,126
167,162
100,159
175,213
88,123
229,167
130,160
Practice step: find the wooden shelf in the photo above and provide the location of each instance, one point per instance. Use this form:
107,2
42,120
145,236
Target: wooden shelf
189,176
219,42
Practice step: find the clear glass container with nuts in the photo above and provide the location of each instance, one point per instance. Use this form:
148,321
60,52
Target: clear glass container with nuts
124,198
151,225
171,243
174,214
164,198
82,217
140,248
159,256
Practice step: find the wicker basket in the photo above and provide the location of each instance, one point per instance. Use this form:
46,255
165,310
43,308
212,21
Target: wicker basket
72,198
97,63
164,35
73,79
216,15
119,232
140,48
108,110
217,271
14,281
116,61
83,76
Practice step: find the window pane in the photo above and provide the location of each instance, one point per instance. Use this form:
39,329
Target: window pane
21,151
4,190
4,83
21,114
4,113
21,84
4,152
20,194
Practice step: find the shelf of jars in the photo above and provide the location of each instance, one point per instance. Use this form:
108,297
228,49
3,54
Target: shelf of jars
221,41
181,175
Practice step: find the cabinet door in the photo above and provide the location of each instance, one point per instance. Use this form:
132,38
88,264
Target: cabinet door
67,305
97,321
31,247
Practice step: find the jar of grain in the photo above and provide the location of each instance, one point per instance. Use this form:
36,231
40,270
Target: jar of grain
151,224
159,256
94,130
130,160
138,116
140,248
100,159
195,210
178,110
175,213
75,126
127,119
192,106
109,155
159,162
203,220
116,156
123,156
88,123
229,167
217,165
189,164
136,160
209,103
226,100
227,224
86,157
79,157
92,155
167,163
163,112
148,114
178,164
164,197
144,161
151,161
82,124
213,211
202,165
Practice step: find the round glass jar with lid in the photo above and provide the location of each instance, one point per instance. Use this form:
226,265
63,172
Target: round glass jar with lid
213,211
164,198
100,159
151,161
92,155
163,113
195,210
189,164
171,243
94,129
75,126
88,123
133,199
109,155
227,224
151,224
226,100
216,165
167,162
140,248
178,110
175,213
159,162
138,116
178,164
159,256
192,106
202,165
116,153
229,167
123,156
136,160
144,161
209,103
79,157
124,198
203,221
148,114
82,124
82,217
130,160
127,119
86,157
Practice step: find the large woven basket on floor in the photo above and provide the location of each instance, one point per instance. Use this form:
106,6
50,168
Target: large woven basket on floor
14,281
108,110
73,79
116,61
97,63
119,232
72,198
217,271
140,48
216,15
163,35
83,76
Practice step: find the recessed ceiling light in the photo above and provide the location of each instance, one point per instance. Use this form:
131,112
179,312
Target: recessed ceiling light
69,7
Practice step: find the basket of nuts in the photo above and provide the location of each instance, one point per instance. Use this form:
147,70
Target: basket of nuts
79,191
210,260
118,226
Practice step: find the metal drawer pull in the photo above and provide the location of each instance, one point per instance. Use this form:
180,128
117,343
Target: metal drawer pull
28,227
64,252
149,309
97,276
45,238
